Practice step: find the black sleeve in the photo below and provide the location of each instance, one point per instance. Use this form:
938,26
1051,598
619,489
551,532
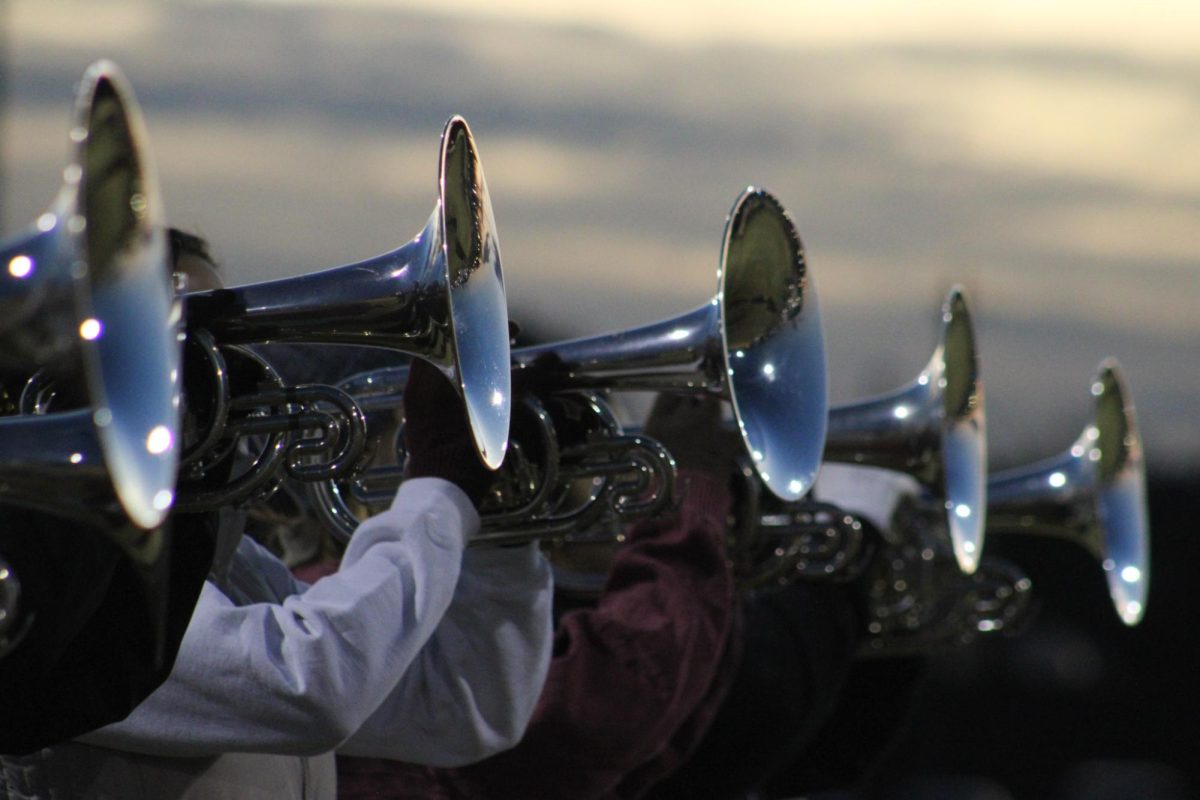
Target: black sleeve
798,644
98,639
873,708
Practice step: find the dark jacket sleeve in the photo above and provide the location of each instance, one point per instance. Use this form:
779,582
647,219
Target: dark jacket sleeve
98,640
798,644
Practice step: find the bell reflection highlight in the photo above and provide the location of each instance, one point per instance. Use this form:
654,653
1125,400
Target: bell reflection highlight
90,329
164,499
20,266
1094,495
159,440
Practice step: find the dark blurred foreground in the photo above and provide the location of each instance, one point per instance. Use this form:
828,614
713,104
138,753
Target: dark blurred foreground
1078,706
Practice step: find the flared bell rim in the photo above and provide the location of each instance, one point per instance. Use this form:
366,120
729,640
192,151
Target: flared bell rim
475,286
1121,492
955,366
128,315
773,348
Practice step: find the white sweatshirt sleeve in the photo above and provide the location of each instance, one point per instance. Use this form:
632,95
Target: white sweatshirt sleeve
473,688
302,674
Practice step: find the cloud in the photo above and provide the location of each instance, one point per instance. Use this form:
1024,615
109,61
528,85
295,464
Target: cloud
1060,183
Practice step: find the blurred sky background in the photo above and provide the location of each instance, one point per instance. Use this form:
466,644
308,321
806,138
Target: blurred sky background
1045,156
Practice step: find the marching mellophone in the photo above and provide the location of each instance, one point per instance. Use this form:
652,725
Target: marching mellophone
439,297
571,470
135,424
758,342
88,290
86,301
1092,494
932,429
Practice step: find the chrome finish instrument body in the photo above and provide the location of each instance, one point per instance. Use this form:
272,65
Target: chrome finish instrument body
772,542
915,608
570,472
89,290
933,429
758,343
256,429
439,297
1093,494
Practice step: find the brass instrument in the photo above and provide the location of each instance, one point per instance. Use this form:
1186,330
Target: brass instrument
772,543
88,292
1092,494
606,477
309,432
571,471
439,297
758,343
86,303
933,429
13,626
916,606
916,598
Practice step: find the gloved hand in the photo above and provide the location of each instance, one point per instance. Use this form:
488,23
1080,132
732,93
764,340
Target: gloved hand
690,428
437,435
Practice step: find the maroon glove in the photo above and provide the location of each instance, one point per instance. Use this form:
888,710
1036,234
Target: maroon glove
437,435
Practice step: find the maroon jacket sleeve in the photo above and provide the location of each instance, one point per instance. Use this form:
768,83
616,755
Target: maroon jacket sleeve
627,675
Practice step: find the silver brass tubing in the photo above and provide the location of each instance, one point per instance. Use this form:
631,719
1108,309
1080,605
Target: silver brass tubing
1092,494
758,343
933,429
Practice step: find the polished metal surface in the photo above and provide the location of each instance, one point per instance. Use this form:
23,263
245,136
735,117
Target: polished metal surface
54,463
772,542
913,596
599,484
89,291
229,388
439,297
1093,494
13,625
933,429
571,472
758,342
915,607
39,316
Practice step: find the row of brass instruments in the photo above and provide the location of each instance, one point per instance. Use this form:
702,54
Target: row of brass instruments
128,401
